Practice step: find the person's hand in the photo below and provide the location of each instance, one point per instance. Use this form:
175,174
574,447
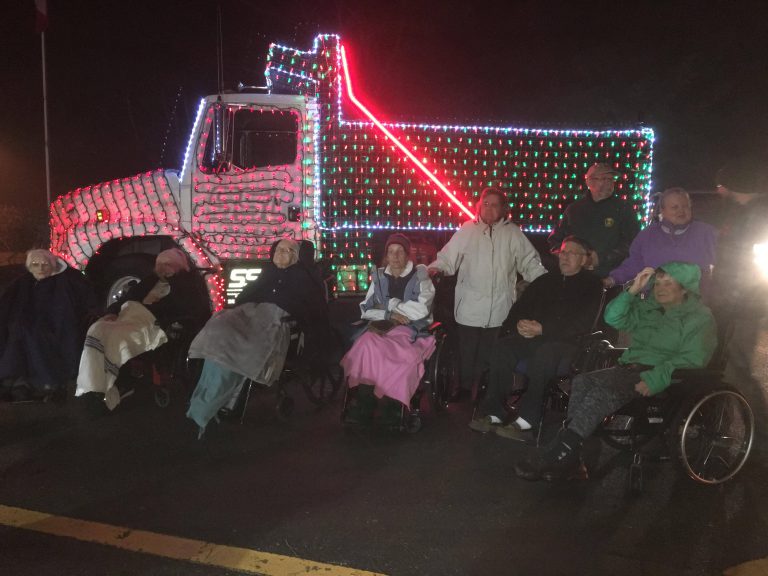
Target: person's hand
529,328
398,318
608,282
434,272
641,280
109,317
642,388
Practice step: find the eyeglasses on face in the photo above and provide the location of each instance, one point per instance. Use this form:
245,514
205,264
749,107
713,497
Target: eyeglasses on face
570,253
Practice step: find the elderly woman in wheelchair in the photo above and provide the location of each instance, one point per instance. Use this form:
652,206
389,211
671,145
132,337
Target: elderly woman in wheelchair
140,322
251,340
387,360
670,329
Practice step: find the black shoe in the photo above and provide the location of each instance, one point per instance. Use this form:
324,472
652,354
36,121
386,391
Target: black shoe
391,414
562,460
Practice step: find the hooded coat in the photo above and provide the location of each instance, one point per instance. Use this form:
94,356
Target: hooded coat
42,327
680,336
487,259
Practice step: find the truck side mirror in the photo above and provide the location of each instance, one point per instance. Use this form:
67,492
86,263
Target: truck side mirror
214,159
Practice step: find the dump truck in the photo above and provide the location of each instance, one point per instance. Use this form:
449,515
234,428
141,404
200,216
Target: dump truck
305,158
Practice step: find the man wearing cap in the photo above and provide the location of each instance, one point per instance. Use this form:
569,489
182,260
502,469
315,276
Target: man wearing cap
543,326
740,289
487,254
604,220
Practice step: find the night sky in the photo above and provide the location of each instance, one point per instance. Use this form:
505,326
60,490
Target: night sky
124,78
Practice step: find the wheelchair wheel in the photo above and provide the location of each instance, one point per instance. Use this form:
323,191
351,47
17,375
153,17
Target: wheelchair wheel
712,435
443,373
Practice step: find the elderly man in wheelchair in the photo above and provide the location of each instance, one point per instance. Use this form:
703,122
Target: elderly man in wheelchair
670,329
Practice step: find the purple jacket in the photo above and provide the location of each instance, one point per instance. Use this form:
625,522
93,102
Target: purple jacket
654,246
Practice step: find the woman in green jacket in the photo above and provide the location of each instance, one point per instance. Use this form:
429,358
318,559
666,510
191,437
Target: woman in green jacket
670,329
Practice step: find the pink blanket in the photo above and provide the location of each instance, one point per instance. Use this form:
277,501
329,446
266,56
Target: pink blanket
391,363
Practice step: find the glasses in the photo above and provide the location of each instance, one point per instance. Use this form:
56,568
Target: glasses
285,251
570,253
41,264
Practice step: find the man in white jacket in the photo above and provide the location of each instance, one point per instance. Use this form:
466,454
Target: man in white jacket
487,253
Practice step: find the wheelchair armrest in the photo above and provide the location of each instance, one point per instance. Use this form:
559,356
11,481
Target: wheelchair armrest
695,375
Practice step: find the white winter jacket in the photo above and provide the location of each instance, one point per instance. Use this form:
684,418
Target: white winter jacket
487,259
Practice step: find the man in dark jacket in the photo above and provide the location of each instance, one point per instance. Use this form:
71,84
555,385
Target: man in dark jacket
543,329
604,220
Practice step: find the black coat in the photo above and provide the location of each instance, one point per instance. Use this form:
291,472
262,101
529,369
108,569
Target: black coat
42,327
565,306
188,301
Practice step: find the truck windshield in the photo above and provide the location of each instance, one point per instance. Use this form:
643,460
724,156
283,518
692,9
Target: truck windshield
255,138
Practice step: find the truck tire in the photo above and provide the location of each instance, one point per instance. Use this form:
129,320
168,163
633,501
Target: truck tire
122,273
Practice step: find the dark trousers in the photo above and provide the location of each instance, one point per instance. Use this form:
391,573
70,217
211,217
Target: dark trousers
598,394
550,360
543,361
475,345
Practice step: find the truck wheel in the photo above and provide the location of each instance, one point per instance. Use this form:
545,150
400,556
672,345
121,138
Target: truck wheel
123,273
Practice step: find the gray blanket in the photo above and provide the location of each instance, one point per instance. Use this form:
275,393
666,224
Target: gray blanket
251,339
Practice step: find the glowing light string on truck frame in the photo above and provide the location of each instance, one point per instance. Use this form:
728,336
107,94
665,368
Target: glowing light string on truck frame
541,169
452,197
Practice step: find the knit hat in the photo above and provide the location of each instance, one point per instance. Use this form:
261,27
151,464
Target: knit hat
398,238
175,258
600,169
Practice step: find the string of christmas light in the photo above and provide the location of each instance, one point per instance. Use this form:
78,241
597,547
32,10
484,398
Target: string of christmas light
348,179
367,185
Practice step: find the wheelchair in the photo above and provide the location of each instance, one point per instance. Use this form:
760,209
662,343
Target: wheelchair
319,381
702,423
440,374
166,370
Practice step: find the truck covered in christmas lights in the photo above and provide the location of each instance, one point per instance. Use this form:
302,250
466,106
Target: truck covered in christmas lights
307,159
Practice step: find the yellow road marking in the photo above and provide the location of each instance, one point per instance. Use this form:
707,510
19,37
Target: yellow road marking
242,559
753,568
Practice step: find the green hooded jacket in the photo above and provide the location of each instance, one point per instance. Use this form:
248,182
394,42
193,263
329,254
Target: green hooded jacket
683,336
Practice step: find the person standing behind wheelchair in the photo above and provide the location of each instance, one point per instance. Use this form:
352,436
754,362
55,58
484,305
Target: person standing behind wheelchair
390,362
487,254
675,237
543,328
670,329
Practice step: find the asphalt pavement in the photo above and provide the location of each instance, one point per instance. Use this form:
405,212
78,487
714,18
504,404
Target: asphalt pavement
441,501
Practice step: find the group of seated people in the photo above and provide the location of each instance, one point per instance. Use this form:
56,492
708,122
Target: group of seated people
662,311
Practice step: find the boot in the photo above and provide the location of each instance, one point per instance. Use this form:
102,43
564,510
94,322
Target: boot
561,460
362,409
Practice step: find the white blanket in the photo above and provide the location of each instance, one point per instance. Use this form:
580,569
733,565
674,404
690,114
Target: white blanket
110,344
